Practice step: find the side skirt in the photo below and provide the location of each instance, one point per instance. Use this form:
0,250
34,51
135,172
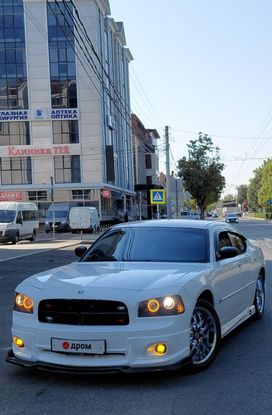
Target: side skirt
236,321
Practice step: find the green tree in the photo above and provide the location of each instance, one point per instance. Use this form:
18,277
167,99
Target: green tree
228,198
242,194
253,188
201,172
265,190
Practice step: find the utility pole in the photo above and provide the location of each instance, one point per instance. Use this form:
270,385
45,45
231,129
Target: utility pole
168,195
52,200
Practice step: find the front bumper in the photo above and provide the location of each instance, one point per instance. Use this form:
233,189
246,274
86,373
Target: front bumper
127,347
8,235
49,367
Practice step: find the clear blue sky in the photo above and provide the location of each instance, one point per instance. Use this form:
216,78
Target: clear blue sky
203,65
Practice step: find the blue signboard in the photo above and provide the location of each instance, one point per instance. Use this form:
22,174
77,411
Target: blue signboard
157,197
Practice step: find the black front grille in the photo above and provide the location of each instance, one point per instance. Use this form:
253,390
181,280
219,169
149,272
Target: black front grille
83,312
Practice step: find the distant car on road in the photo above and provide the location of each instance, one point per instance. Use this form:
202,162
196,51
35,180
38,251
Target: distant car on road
232,217
147,295
187,214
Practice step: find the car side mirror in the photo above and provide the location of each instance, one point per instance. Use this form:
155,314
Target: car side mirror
227,252
80,250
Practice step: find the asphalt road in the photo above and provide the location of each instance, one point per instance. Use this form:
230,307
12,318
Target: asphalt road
238,382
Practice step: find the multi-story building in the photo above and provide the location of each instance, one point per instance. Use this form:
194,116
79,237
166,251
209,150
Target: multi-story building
65,126
146,166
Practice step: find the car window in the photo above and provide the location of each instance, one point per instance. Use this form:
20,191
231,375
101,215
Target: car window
224,240
107,248
150,244
238,242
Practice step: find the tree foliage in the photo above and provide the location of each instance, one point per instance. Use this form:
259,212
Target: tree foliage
242,194
229,197
201,172
265,191
253,188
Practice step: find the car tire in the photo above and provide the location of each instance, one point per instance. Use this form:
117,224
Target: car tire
205,336
15,240
259,298
33,237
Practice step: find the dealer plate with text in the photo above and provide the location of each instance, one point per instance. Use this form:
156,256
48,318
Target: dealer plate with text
78,346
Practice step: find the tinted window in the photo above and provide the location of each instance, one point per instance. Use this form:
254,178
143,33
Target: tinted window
57,214
152,244
7,216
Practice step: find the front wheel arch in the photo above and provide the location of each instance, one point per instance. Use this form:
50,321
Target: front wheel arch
205,336
259,296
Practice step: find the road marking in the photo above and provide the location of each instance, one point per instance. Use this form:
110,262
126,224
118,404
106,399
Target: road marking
41,251
21,256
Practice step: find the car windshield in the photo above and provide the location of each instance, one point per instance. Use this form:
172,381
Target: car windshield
7,216
56,214
151,245
232,215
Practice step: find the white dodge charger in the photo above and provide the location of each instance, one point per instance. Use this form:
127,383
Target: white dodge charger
146,296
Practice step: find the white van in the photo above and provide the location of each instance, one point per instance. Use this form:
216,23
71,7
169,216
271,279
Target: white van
18,220
84,218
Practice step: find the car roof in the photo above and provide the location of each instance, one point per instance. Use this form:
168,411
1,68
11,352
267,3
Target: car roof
175,223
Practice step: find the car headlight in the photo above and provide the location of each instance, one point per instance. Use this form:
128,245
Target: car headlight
23,303
162,306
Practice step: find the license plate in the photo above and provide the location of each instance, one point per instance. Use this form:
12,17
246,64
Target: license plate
78,346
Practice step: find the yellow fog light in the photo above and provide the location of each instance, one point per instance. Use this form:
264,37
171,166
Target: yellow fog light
158,349
18,342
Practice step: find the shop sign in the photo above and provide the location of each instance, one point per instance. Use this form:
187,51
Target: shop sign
39,114
14,115
106,193
28,151
64,114
11,196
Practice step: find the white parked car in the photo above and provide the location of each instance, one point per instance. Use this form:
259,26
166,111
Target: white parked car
147,295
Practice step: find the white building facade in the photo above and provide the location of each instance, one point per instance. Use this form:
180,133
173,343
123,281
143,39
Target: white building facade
65,128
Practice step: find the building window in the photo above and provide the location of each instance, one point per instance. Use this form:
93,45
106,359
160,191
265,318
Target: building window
67,169
13,76
81,194
14,133
62,55
65,132
148,179
148,163
16,170
37,195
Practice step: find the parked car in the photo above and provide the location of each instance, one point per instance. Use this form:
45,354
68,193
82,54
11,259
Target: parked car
147,295
187,214
84,218
18,220
57,217
232,217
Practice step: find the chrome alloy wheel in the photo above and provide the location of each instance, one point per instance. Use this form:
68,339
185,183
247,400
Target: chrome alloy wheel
203,335
260,296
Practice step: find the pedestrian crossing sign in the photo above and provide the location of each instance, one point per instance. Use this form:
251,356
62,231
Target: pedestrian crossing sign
157,197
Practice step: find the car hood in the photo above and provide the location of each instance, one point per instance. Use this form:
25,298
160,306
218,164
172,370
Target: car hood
122,275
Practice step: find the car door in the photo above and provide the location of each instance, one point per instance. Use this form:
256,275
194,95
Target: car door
231,276
19,224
